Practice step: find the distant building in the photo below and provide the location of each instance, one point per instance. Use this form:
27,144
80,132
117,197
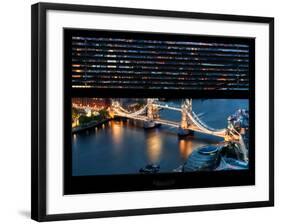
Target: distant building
92,103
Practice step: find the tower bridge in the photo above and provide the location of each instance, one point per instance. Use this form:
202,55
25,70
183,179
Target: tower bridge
189,123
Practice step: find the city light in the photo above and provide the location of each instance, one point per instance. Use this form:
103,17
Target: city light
189,65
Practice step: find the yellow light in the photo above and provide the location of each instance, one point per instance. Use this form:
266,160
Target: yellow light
154,147
185,147
117,132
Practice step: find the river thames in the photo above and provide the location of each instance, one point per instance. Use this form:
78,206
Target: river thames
124,146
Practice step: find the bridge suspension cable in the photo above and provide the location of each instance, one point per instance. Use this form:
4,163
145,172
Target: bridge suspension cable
166,106
136,113
201,125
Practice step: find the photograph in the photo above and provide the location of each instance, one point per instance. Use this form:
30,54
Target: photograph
146,105
149,135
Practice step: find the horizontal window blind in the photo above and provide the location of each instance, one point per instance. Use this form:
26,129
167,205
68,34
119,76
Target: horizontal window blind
135,63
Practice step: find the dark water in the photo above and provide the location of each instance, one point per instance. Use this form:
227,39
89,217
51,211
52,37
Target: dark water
123,147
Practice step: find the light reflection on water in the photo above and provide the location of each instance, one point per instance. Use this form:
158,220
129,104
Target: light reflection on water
185,147
117,131
154,142
154,147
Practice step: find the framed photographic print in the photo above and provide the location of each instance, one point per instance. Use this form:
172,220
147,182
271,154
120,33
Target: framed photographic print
137,105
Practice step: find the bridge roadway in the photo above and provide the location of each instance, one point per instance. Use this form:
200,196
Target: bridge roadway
170,123
165,106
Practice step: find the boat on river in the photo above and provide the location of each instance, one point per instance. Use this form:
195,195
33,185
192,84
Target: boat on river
150,168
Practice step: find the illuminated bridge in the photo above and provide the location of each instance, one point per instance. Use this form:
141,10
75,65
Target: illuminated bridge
190,121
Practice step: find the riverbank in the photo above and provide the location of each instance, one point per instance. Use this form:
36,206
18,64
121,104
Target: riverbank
90,125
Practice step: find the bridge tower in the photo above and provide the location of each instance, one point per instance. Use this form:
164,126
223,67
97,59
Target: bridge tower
186,108
149,123
184,118
150,109
188,103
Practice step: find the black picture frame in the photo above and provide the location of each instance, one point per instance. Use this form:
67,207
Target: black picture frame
159,181
38,108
